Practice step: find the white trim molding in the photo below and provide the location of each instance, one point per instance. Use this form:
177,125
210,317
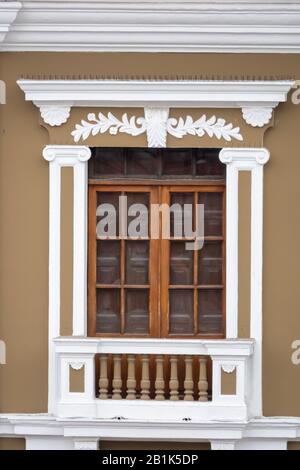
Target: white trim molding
236,353
256,99
58,157
148,26
48,432
252,160
8,14
156,97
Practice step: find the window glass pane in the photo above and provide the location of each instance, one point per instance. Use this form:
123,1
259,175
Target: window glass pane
181,264
210,310
143,162
137,311
177,162
181,311
138,222
108,262
213,213
107,161
210,263
111,221
177,201
137,262
108,311
208,164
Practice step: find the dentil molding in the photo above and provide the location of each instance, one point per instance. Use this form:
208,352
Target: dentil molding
256,99
151,26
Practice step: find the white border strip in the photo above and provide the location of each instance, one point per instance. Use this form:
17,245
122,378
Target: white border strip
147,26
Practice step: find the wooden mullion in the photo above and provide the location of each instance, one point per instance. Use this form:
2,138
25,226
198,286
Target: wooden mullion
165,268
92,260
153,274
123,230
122,299
212,286
195,216
181,286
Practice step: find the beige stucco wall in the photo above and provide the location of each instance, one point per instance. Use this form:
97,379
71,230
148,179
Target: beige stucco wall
24,219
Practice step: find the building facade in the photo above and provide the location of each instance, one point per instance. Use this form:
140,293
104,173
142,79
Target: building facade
113,337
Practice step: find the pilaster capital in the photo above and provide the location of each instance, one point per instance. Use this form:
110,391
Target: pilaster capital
244,157
67,154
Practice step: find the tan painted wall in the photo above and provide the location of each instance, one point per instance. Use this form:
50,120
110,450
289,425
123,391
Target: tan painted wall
24,219
12,443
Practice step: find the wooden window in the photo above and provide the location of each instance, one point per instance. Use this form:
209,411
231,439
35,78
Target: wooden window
156,286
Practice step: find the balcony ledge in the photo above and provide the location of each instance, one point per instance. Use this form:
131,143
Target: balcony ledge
209,347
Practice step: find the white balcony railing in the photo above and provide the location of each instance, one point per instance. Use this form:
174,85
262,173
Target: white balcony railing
120,394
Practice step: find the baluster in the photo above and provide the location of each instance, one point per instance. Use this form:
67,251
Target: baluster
188,380
131,382
117,380
145,381
202,384
103,380
173,384
159,381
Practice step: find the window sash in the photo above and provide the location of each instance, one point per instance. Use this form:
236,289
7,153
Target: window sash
159,265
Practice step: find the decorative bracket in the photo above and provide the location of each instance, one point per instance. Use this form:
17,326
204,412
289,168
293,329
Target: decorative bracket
76,365
257,117
55,115
228,368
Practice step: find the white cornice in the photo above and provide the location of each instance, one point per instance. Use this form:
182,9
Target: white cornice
286,428
55,98
152,26
141,93
8,14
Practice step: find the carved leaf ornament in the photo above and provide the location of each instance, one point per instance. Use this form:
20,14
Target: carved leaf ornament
157,125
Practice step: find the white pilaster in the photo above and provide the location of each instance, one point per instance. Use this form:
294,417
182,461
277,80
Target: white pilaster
60,156
40,442
253,160
80,245
222,445
86,444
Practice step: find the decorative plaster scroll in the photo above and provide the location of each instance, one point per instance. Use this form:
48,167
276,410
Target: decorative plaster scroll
228,368
76,365
55,115
257,117
213,127
157,125
133,126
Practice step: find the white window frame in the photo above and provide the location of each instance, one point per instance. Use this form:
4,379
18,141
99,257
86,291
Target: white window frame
254,98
